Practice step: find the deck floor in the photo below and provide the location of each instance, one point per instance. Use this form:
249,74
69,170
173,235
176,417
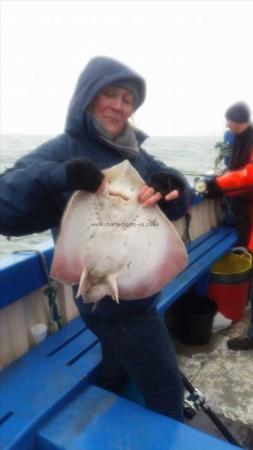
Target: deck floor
225,377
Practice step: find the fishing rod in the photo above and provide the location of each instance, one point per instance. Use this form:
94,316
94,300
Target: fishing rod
195,401
201,187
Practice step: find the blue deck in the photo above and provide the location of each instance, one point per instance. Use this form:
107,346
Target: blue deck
48,400
118,424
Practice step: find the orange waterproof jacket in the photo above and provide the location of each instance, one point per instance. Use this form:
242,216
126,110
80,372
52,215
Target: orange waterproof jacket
239,183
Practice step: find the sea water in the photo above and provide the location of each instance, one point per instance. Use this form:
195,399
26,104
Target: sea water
191,155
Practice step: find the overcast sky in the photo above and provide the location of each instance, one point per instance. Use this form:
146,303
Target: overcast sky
196,57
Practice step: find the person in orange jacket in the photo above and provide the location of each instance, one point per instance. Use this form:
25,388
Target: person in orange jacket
237,183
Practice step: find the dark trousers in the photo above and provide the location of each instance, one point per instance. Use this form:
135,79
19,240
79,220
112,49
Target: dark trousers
250,330
140,346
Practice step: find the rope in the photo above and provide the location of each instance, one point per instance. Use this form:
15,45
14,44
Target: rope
186,234
51,289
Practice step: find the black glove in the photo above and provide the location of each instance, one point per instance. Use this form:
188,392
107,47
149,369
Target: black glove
167,180
83,173
212,189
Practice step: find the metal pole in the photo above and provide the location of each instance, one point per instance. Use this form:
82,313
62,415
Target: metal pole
200,401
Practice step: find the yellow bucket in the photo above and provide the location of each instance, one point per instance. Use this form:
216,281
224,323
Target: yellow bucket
238,261
230,282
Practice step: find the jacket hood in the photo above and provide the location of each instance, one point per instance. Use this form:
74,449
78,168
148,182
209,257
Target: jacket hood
99,72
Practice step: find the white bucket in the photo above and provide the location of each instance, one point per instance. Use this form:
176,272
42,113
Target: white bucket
39,332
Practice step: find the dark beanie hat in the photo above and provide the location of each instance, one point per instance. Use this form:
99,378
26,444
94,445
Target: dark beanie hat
238,112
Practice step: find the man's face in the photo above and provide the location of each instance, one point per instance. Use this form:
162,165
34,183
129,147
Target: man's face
237,127
233,126
112,107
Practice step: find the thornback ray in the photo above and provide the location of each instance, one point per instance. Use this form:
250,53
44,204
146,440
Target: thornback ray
110,245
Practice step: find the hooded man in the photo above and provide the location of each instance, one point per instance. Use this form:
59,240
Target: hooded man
237,183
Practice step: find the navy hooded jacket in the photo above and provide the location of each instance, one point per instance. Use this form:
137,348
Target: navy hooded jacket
33,194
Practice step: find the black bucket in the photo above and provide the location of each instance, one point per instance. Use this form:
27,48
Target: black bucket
193,319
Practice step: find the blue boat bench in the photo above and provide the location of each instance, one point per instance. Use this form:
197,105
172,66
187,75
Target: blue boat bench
48,400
